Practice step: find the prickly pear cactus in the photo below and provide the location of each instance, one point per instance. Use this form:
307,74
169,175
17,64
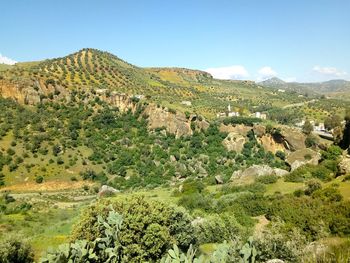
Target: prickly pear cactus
248,252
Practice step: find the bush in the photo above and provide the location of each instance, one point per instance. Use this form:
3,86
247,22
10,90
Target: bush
309,171
218,228
281,155
146,223
196,201
248,121
332,153
310,141
39,179
15,251
267,179
312,186
279,242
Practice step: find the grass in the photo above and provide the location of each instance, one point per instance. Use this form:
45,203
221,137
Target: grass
44,229
283,187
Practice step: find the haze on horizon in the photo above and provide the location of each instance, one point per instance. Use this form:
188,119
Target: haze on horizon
296,40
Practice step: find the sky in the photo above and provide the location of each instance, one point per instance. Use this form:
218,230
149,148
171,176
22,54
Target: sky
295,40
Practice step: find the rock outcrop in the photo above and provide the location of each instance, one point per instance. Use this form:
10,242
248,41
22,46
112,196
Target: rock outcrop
344,165
234,142
239,129
122,101
256,171
30,93
106,190
270,145
293,139
301,157
174,123
259,130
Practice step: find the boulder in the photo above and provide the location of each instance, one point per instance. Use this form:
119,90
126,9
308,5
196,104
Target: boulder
270,145
293,139
259,130
218,179
280,172
234,142
202,124
106,190
344,165
253,171
201,171
301,157
174,123
172,158
258,170
239,129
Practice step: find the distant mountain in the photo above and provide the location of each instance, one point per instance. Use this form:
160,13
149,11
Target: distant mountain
332,87
272,82
277,83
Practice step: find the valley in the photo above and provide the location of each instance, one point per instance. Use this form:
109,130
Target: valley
217,162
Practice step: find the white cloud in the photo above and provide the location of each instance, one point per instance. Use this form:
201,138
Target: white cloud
232,72
330,71
266,73
6,60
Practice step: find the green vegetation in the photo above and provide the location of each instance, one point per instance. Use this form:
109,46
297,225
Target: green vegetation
178,200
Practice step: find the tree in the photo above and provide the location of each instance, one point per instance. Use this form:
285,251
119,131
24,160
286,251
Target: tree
307,127
332,122
345,142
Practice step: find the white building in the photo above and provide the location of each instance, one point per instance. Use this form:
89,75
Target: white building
233,114
260,115
186,102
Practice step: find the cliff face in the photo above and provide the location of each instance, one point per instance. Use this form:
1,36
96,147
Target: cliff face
122,101
159,117
11,90
30,93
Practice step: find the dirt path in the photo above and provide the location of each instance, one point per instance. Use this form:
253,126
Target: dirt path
262,223
45,186
298,104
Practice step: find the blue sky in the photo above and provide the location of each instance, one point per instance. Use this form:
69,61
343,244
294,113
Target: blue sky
303,40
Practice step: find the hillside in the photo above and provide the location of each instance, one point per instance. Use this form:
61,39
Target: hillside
333,88
76,139
89,70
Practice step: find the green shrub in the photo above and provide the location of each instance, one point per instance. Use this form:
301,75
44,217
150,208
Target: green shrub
312,186
196,201
218,228
277,241
332,153
267,179
39,179
145,223
15,251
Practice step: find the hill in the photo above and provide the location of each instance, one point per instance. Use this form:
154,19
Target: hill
89,70
333,88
